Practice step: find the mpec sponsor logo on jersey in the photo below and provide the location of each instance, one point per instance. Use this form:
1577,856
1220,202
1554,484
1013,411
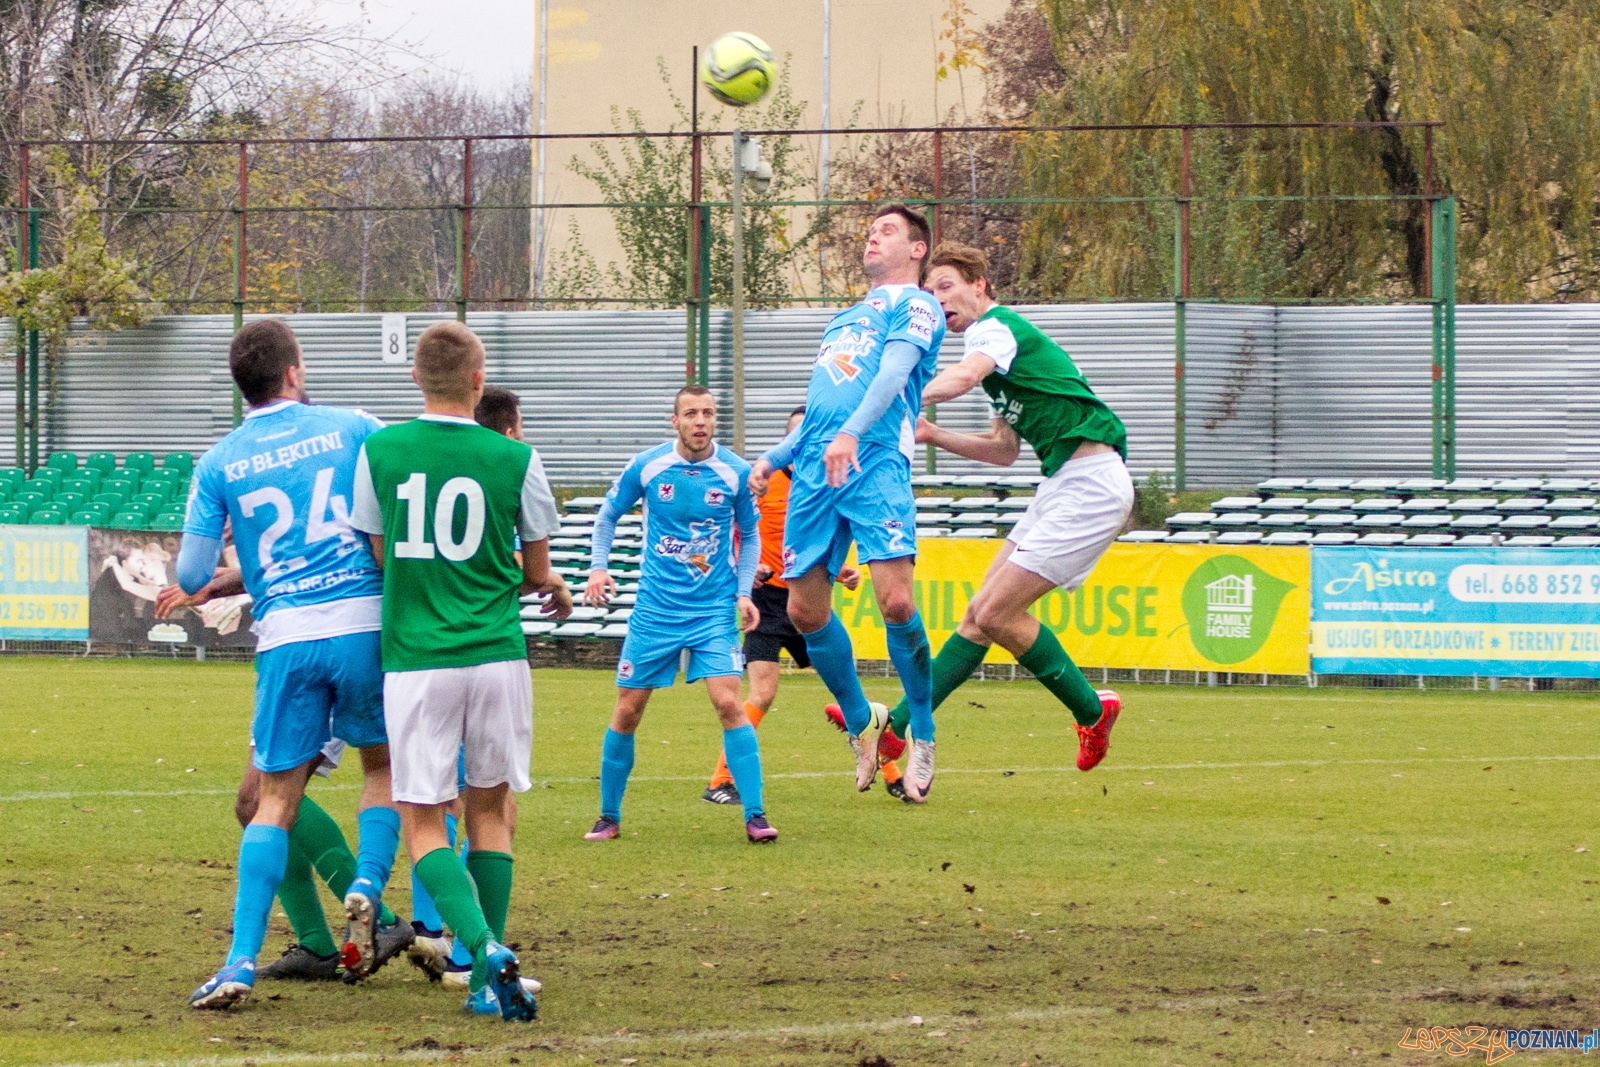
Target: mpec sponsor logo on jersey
664,491
922,321
841,356
696,552
716,498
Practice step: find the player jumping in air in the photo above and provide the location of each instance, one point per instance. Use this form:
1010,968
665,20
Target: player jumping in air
692,580
284,478
1037,395
442,499
852,481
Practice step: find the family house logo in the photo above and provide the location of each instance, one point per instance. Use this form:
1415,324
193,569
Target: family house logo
1231,605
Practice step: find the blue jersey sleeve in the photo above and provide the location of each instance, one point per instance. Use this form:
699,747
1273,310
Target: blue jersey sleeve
917,319
748,521
208,508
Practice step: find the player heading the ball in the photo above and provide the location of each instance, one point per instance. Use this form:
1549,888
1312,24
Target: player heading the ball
443,499
852,482
694,582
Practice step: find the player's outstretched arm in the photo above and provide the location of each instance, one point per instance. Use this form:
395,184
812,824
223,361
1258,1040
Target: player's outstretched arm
197,561
1000,446
958,380
900,358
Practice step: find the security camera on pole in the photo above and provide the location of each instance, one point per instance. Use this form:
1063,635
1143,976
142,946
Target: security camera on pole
739,70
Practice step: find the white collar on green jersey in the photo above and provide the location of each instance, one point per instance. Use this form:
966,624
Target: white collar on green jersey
431,417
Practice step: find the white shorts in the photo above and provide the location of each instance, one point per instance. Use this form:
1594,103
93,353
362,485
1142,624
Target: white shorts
430,715
1075,515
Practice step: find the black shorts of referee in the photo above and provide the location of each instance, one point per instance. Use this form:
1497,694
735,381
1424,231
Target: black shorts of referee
775,632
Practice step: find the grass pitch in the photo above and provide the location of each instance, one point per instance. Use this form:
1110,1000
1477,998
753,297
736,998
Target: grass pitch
1253,876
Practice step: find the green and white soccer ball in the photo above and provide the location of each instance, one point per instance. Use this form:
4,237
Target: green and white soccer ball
738,69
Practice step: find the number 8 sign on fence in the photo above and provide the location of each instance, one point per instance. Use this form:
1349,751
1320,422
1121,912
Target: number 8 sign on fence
394,338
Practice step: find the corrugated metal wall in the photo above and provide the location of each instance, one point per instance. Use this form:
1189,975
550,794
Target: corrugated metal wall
1316,391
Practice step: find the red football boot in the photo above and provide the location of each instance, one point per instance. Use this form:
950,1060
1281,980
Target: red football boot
1094,740
890,747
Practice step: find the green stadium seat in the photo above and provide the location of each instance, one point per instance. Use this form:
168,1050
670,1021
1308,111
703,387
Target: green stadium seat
47,517
167,522
111,500
28,500
180,461
126,486
129,520
86,486
14,476
153,500
43,486
143,462
70,501
104,462
63,461
85,517
141,507
5,492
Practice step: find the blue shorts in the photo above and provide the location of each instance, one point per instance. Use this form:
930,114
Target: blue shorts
651,650
874,508
310,691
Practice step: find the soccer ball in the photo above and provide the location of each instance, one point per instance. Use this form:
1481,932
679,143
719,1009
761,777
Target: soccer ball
738,69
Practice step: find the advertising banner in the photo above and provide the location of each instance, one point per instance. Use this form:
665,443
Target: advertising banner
1526,613
1184,607
44,583
128,569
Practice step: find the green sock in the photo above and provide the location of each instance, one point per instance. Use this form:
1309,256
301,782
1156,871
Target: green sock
953,665
319,838
298,894
443,875
1049,662
491,872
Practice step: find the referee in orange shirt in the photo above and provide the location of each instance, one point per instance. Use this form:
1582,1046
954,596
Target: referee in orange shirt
775,632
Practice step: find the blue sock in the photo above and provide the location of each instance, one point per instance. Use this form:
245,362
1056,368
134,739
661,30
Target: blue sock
263,855
744,763
616,763
378,837
422,907
913,661
835,661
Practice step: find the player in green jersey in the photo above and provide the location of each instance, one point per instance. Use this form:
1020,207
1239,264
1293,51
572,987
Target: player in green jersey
442,499
1039,396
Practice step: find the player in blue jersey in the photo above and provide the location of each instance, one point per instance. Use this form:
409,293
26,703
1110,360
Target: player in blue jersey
285,479
852,482
694,595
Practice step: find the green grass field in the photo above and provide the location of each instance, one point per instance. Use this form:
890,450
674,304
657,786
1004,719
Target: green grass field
1253,876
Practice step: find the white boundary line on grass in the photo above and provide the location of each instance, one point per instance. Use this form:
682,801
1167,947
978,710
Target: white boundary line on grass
19,798
1166,1003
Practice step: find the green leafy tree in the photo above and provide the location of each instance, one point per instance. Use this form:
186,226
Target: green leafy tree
1516,82
655,239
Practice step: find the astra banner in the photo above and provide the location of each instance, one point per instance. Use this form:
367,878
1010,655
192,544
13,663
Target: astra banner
1525,613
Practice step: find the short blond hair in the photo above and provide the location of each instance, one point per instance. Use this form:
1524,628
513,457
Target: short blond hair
447,355
968,262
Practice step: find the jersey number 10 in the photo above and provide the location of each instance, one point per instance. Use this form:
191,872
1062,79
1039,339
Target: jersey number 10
413,494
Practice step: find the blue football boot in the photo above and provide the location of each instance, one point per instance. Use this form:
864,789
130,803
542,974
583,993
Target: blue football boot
483,1002
506,980
227,987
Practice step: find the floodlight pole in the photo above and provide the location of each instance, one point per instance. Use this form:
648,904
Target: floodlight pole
740,139
33,352
694,297
541,70
464,233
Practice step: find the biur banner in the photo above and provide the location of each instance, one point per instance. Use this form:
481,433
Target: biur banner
1525,613
1184,607
44,583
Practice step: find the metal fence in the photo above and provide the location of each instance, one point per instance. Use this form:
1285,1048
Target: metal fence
1271,390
